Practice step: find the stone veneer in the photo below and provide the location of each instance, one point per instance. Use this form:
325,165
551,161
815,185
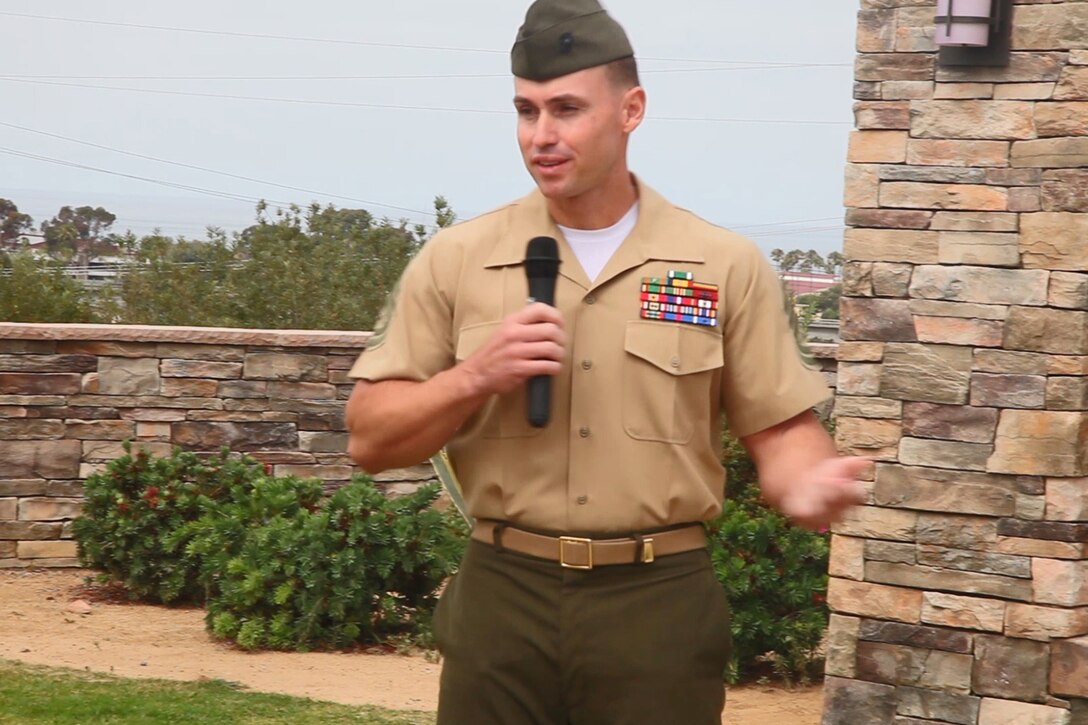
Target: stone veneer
960,592
70,394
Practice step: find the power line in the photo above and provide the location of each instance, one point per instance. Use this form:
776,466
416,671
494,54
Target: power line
262,36
780,224
402,77
799,232
276,204
744,227
186,187
399,107
214,171
338,41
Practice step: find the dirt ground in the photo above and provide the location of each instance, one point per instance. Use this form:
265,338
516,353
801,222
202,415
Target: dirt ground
135,640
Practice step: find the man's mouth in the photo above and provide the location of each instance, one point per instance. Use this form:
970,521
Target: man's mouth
549,164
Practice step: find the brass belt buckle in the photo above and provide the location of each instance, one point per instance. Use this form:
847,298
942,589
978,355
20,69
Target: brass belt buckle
565,541
647,551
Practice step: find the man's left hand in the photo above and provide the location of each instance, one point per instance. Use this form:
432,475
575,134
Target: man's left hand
822,495
801,473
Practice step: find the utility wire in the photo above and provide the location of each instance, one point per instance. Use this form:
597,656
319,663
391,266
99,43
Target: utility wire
338,41
740,228
420,76
780,224
186,187
214,171
398,107
799,232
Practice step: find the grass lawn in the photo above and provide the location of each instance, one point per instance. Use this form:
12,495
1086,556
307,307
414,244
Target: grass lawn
34,695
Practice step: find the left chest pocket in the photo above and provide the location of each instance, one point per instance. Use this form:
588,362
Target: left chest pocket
668,371
503,416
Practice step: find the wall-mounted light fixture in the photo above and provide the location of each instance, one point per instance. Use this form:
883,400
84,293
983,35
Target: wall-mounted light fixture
973,32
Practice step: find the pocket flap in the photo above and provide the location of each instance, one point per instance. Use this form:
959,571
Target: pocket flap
674,348
471,338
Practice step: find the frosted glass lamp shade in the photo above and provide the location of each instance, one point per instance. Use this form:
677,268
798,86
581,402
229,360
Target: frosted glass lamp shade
963,22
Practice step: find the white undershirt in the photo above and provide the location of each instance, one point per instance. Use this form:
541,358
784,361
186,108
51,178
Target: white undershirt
594,247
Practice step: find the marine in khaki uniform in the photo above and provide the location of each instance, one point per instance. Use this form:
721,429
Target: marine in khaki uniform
586,595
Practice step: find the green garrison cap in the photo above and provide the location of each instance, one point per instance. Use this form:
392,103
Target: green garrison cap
564,36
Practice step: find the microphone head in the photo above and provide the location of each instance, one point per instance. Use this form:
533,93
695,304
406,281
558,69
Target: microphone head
542,257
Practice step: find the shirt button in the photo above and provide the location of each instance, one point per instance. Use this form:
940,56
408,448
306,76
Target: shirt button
584,432
587,364
590,300
675,362
583,500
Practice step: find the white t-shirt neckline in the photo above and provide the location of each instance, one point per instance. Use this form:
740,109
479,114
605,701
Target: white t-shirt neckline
594,247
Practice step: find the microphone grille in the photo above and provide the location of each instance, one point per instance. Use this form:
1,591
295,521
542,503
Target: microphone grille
542,248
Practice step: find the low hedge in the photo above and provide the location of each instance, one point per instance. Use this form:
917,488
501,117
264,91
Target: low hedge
275,565
775,575
278,566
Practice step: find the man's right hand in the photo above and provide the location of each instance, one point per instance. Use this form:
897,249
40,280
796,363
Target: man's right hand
529,342
396,423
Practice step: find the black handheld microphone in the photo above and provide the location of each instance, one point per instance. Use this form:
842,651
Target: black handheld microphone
541,268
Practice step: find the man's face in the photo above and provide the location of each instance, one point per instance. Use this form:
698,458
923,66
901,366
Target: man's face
572,130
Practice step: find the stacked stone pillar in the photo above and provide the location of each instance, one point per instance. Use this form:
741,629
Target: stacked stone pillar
960,592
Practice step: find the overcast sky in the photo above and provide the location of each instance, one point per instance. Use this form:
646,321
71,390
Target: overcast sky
352,139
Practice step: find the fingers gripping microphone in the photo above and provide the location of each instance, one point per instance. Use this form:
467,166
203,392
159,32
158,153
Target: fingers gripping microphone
541,268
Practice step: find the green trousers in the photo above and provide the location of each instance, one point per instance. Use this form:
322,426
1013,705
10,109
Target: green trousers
527,642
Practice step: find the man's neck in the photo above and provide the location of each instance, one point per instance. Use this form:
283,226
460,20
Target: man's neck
598,208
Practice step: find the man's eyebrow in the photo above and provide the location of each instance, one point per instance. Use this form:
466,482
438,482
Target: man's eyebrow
554,100
566,98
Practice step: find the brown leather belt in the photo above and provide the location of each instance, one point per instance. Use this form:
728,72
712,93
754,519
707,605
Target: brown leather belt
578,553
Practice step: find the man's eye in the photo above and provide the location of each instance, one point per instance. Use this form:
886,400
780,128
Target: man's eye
525,112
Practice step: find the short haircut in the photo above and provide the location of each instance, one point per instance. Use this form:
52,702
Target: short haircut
623,73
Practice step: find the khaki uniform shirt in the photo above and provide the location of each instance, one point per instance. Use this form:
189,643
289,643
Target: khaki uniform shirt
635,434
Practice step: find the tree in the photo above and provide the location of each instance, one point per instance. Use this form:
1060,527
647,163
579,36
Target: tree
811,260
79,229
177,282
807,261
13,223
33,290
325,269
833,263
322,268
787,261
815,305
823,304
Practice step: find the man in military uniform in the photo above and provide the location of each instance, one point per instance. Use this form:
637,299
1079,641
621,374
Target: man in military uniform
586,596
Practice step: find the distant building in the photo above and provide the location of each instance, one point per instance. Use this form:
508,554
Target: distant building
95,263
804,283
824,331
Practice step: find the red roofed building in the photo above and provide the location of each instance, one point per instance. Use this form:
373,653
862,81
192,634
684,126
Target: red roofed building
803,283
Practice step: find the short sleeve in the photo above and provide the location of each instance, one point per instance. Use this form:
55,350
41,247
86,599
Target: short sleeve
412,339
765,381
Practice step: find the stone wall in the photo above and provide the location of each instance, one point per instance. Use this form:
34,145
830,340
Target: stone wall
70,394
960,593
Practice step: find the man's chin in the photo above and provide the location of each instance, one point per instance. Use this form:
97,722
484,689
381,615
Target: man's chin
553,189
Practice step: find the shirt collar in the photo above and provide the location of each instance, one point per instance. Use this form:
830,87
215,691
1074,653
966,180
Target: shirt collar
654,237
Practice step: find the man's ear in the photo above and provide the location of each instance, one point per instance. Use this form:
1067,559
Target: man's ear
634,108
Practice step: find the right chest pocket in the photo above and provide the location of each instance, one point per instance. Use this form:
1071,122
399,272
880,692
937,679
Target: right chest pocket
503,416
668,374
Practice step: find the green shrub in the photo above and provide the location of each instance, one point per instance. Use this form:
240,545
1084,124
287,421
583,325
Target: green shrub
216,536
775,575
361,568
134,508
275,565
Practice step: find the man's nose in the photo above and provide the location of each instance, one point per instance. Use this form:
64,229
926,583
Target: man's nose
544,134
